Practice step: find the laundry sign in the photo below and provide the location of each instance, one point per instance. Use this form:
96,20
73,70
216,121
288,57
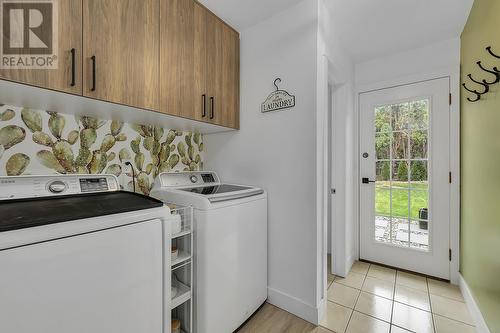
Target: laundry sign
278,100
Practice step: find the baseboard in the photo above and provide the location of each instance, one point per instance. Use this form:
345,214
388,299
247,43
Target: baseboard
476,314
295,306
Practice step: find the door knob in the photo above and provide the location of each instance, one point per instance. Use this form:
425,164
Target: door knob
365,180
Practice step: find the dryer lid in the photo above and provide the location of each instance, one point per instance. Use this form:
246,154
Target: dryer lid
25,213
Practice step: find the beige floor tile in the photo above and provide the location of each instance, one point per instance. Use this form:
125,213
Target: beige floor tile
382,273
336,317
329,279
413,297
352,279
450,308
412,318
378,287
319,329
445,289
361,323
411,280
445,325
360,267
343,295
375,306
395,329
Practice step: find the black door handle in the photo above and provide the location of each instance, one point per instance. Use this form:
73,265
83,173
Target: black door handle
212,107
203,105
93,73
366,180
73,67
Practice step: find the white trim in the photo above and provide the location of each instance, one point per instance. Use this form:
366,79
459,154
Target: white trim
296,306
453,73
476,314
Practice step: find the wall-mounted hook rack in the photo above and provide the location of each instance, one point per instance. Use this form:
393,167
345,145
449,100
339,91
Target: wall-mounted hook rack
485,84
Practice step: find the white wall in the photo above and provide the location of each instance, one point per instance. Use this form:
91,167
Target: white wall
278,150
341,76
433,58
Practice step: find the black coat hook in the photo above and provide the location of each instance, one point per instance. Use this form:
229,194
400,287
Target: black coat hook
486,87
478,95
276,84
494,55
491,52
494,72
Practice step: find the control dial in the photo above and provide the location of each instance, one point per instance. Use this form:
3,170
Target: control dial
57,186
193,178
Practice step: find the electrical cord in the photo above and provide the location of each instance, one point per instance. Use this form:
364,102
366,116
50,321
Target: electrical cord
133,173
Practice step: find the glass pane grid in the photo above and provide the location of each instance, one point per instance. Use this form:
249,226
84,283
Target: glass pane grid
401,200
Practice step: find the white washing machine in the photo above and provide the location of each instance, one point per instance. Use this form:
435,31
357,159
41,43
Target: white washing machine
230,246
77,256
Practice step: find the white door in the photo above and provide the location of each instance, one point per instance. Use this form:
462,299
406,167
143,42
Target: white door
404,177
99,282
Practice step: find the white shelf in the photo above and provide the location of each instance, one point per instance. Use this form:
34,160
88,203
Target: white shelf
183,295
184,232
181,257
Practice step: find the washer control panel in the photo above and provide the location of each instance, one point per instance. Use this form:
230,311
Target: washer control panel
188,178
20,187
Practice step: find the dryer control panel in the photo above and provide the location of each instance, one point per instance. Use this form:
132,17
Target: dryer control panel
20,187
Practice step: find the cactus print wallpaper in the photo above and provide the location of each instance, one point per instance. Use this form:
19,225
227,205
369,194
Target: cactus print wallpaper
44,142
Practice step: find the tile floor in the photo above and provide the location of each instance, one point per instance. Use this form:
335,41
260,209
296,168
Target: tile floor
376,299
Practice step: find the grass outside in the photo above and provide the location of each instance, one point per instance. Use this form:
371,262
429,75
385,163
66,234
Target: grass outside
417,191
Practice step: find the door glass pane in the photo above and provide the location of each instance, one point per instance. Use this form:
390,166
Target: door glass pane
400,145
402,186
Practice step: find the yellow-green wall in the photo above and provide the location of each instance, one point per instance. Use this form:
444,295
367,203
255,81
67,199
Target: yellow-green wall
480,149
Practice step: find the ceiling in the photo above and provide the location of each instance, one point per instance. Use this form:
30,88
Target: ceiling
242,14
368,29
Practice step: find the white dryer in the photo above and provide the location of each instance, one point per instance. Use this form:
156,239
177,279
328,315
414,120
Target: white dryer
78,255
230,246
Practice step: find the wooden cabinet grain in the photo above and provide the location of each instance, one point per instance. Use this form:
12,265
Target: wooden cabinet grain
67,76
199,64
121,51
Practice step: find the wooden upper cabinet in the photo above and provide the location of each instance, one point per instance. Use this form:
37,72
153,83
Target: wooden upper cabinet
199,64
222,73
182,59
67,76
121,51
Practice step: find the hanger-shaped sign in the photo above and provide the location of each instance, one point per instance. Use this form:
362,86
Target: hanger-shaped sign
278,99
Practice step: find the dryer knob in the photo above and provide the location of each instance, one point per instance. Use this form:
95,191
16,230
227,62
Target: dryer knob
193,179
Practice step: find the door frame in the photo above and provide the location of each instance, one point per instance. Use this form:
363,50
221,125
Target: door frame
453,74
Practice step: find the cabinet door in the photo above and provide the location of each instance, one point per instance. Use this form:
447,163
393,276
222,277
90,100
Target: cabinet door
182,59
121,51
222,48
229,92
68,75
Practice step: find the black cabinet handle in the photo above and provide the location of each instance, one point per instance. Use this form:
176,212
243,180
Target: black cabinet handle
212,111
365,180
203,106
73,67
93,73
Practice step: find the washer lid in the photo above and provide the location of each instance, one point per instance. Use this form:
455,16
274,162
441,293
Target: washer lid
224,192
24,213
